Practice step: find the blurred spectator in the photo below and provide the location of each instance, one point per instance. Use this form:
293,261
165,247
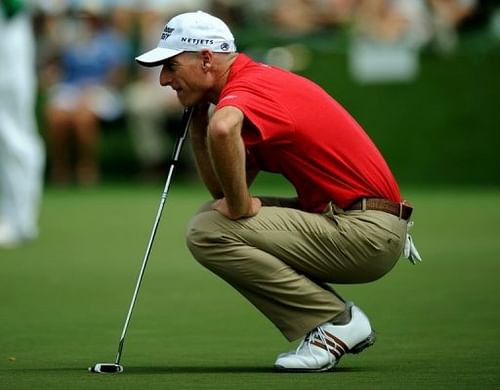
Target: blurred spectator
21,149
304,16
447,17
233,12
297,16
148,112
152,111
84,89
336,13
387,37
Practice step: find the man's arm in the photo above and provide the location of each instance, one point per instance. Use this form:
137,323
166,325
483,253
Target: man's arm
227,156
198,133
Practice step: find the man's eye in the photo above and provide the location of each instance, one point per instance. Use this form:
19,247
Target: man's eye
171,66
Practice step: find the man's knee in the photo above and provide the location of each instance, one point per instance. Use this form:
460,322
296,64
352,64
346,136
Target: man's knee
194,235
206,236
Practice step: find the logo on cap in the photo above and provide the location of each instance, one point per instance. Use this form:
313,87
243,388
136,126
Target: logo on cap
167,32
224,46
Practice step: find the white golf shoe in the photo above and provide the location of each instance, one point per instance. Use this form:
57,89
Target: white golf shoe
322,348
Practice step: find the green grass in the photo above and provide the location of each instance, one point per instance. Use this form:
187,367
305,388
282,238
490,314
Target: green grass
63,300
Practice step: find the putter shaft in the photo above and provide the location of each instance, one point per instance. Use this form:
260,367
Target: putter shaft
175,158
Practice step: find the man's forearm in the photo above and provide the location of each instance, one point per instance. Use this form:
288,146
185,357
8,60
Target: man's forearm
227,154
198,136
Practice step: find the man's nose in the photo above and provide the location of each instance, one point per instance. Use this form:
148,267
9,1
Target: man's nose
165,77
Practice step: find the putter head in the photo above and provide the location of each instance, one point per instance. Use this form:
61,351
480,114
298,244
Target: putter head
106,368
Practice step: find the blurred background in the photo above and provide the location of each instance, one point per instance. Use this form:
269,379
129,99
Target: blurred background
93,132
422,77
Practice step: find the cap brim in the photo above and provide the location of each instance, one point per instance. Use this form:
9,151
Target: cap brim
156,57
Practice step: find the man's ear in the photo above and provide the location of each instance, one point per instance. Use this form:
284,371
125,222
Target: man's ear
207,59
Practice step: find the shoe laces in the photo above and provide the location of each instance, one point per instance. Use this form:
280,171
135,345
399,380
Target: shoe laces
320,338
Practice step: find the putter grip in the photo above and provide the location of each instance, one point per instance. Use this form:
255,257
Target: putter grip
186,119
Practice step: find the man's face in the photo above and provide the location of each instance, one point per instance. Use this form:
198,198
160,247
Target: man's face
184,74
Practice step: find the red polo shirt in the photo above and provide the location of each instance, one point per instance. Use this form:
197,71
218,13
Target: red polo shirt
304,134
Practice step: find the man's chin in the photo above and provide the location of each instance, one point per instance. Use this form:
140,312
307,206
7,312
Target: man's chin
185,100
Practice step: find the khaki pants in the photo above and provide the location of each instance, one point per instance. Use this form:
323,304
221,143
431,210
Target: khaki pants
282,259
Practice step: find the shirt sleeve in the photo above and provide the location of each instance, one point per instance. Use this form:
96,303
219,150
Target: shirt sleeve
271,120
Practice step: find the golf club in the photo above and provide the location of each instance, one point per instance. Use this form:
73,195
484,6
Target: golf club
112,368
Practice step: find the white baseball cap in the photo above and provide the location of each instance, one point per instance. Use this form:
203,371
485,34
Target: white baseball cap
191,31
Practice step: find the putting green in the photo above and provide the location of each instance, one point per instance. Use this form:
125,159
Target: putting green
63,300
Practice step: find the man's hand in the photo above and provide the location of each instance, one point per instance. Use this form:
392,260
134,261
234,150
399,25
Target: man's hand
254,207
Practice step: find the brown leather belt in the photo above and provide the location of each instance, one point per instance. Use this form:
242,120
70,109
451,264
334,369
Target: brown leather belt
401,210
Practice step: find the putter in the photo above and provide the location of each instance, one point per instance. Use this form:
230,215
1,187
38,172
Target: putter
113,368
